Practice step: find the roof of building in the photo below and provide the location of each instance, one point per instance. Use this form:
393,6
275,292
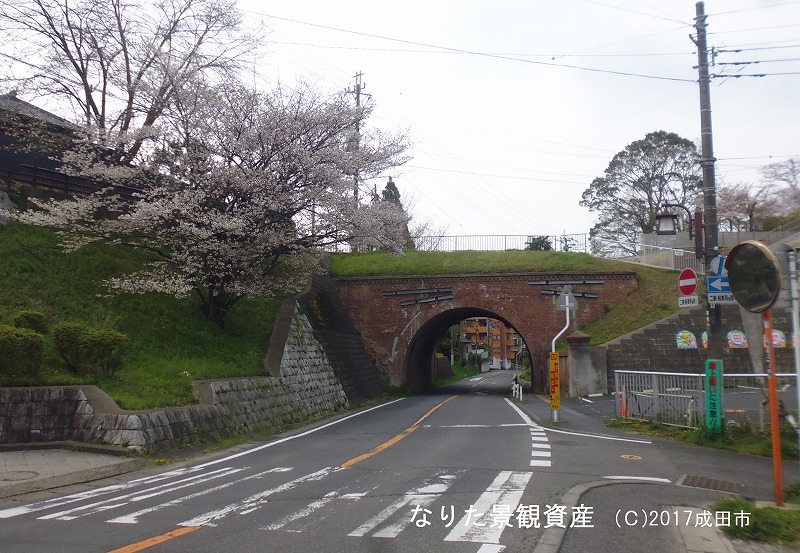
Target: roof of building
10,102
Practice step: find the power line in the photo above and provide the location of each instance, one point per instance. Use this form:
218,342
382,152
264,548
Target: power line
476,53
515,54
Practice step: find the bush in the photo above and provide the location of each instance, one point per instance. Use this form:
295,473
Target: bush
32,320
87,349
21,351
68,339
103,350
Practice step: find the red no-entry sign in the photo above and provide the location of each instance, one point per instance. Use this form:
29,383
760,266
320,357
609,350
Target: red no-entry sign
687,282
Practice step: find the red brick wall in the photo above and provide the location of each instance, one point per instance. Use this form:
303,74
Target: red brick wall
400,337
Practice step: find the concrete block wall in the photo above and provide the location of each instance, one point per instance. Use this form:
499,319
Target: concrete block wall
653,348
307,386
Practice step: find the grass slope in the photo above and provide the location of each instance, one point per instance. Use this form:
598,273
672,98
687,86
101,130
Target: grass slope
171,343
654,299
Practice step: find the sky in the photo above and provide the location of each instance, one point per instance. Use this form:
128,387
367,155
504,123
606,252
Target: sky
513,107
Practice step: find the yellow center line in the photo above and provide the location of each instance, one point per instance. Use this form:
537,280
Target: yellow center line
388,443
149,542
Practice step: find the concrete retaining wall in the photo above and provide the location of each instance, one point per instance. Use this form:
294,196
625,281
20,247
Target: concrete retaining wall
306,386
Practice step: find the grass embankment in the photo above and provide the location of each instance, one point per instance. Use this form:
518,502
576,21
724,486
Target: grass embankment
741,439
654,299
171,342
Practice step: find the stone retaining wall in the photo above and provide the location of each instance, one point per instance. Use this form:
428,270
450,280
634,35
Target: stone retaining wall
306,386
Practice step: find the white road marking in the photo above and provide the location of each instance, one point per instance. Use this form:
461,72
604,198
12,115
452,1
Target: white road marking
510,425
114,502
642,478
422,496
295,436
506,489
89,494
491,548
256,501
133,518
600,436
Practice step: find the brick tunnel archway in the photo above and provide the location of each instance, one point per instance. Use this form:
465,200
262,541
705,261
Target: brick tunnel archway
420,352
389,312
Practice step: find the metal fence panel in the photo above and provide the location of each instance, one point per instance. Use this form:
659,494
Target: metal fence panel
679,398
670,398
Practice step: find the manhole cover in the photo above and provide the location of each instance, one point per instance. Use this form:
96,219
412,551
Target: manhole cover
17,475
710,483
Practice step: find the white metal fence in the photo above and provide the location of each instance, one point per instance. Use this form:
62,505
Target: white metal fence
679,398
501,242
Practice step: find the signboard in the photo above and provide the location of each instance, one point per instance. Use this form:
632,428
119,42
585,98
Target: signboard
725,297
718,283
687,282
566,300
717,266
714,395
555,384
688,301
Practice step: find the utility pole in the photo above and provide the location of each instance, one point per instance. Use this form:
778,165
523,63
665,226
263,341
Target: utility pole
357,91
713,313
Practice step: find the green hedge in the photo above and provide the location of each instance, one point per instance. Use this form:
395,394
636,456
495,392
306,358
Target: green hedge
30,319
21,351
90,350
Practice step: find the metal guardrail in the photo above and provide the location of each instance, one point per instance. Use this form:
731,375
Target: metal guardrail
679,398
500,242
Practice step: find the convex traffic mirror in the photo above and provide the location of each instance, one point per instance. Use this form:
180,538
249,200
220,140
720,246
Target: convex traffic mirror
754,275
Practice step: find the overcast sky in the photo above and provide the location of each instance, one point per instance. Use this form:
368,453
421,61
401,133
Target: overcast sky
514,106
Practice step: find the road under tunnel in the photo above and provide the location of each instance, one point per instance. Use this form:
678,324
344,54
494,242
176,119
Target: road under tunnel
420,356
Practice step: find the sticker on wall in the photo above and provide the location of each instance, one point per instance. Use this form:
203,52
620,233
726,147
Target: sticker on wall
778,339
685,339
704,338
737,339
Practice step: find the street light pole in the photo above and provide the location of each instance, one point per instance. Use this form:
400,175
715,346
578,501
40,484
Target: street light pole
713,313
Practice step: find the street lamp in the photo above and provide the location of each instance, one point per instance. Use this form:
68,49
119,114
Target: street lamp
667,224
667,221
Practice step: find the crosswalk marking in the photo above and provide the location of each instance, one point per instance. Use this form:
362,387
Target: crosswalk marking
73,498
421,496
255,501
133,518
118,501
506,489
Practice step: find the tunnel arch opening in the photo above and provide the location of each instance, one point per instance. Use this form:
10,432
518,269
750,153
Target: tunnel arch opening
420,355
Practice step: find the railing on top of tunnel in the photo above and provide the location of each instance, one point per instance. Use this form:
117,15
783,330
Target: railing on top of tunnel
500,242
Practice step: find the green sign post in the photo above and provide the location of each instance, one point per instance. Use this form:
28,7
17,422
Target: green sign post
714,395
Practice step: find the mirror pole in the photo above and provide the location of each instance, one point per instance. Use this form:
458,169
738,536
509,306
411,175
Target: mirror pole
774,417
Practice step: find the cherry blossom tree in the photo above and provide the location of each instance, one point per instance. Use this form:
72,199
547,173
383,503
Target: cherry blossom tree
241,190
121,64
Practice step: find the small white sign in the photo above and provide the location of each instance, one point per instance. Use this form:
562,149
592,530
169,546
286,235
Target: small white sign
689,301
720,297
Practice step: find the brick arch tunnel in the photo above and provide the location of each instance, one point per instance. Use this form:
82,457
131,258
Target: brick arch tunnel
419,358
399,318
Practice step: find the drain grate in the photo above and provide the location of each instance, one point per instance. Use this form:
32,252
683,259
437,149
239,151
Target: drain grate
710,483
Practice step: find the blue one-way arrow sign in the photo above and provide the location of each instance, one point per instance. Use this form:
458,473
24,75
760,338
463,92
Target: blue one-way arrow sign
718,284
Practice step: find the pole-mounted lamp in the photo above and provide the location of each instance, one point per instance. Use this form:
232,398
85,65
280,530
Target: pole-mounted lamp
667,224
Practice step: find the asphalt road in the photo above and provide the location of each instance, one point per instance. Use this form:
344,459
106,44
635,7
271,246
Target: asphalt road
462,470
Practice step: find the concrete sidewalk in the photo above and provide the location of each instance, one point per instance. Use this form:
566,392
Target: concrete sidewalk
44,466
